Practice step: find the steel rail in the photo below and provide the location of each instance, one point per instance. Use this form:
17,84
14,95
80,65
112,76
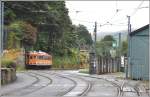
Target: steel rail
37,89
27,86
119,90
88,87
68,90
30,85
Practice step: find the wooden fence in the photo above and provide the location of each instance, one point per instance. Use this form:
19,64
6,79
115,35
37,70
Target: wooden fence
107,65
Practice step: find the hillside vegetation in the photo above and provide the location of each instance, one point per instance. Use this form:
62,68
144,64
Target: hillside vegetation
45,26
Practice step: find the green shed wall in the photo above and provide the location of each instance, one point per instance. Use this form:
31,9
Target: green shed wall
139,55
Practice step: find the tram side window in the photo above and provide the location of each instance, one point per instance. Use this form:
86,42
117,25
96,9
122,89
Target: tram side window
27,56
34,57
40,57
30,57
45,58
49,58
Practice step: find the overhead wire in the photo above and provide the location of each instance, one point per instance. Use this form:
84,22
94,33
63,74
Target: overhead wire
83,21
107,22
124,18
136,9
110,22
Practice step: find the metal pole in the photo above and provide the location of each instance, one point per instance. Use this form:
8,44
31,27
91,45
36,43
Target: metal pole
119,51
128,55
1,26
119,44
95,30
78,50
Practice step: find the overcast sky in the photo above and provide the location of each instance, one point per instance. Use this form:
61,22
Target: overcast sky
106,11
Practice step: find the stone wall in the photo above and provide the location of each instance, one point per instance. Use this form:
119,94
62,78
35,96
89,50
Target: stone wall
8,75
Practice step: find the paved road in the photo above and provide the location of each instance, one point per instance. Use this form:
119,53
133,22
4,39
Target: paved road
45,83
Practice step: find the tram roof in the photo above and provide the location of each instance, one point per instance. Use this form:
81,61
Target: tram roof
38,53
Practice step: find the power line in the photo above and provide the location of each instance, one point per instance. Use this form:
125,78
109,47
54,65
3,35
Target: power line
108,21
111,23
83,21
119,25
136,9
116,4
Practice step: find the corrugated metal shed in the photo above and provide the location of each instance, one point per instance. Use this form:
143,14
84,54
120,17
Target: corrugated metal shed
139,53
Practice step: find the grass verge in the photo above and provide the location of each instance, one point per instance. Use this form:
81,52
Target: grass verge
86,71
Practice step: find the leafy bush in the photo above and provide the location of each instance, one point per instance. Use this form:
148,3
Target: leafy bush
8,63
20,67
65,62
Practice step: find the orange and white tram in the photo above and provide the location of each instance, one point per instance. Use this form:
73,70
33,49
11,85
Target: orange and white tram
38,59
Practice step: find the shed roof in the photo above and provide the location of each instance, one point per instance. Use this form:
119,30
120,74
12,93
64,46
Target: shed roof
139,30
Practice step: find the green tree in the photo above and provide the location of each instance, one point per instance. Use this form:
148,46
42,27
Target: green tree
103,47
49,17
83,33
46,26
29,35
21,33
14,35
124,48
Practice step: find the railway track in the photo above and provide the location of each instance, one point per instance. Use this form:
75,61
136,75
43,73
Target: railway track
121,87
70,89
61,76
88,86
33,87
142,92
27,86
75,81
85,91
